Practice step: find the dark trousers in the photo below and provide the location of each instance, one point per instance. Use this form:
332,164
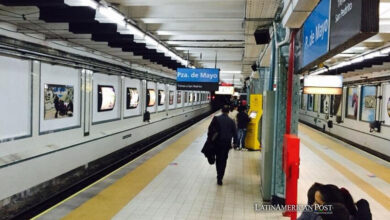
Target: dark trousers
221,159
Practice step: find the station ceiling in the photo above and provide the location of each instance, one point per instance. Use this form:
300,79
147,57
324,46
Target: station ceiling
208,32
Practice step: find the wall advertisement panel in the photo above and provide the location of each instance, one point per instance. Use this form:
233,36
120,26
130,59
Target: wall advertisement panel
132,97
368,103
60,96
106,98
16,98
386,104
352,102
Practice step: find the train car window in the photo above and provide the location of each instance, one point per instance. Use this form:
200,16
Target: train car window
171,96
161,97
386,104
151,97
178,98
310,102
335,105
191,97
368,103
325,104
352,103
316,103
185,97
132,99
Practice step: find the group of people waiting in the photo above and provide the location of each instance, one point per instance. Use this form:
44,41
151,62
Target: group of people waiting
241,119
340,201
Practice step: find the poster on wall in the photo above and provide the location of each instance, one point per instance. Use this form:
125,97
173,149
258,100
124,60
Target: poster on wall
132,98
352,102
386,104
106,98
58,101
171,96
178,97
151,97
368,106
161,97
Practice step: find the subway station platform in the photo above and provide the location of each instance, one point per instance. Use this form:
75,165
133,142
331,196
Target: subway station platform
175,181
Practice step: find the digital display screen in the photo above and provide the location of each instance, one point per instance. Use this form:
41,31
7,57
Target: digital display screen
106,98
151,97
132,98
171,97
253,114
161,97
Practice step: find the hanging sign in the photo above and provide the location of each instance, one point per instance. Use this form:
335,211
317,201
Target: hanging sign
332,27
323,84
197,79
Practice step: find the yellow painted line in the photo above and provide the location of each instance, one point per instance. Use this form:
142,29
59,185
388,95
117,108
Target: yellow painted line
380,197
379,170
84,189
111,200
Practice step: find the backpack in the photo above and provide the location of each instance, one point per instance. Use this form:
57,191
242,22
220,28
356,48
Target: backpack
363,210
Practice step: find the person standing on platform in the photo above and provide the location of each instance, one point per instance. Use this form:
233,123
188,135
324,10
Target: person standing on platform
226,131
242,123
233,114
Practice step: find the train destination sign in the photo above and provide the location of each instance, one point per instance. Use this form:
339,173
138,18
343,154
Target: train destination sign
197,79
332,27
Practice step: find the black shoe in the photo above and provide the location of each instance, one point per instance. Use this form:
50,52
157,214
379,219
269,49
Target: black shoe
219,182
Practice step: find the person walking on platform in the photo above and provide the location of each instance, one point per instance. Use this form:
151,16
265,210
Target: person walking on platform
226,131
242,123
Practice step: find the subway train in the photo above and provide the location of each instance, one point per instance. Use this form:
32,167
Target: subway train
60,122
360,116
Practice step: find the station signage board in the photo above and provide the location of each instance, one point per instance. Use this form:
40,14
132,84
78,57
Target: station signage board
323,36
316,33
197,79
323,84
225,90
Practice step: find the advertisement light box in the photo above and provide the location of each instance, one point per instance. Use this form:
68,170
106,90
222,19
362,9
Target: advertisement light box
225,90
331,85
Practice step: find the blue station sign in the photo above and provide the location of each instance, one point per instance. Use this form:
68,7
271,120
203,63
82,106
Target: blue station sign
197,79
316,33
198,75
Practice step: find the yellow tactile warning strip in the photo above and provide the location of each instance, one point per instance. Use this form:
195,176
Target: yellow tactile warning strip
375,168
366,187
111,200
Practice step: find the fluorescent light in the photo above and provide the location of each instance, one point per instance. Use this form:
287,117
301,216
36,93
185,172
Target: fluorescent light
135,31
89,3
358,59
231,71
150,41
111,14
385,50
373,55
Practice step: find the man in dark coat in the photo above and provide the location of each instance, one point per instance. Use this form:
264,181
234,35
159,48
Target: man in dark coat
223,142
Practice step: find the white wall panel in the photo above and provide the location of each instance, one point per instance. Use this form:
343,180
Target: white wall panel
15,98
59,75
